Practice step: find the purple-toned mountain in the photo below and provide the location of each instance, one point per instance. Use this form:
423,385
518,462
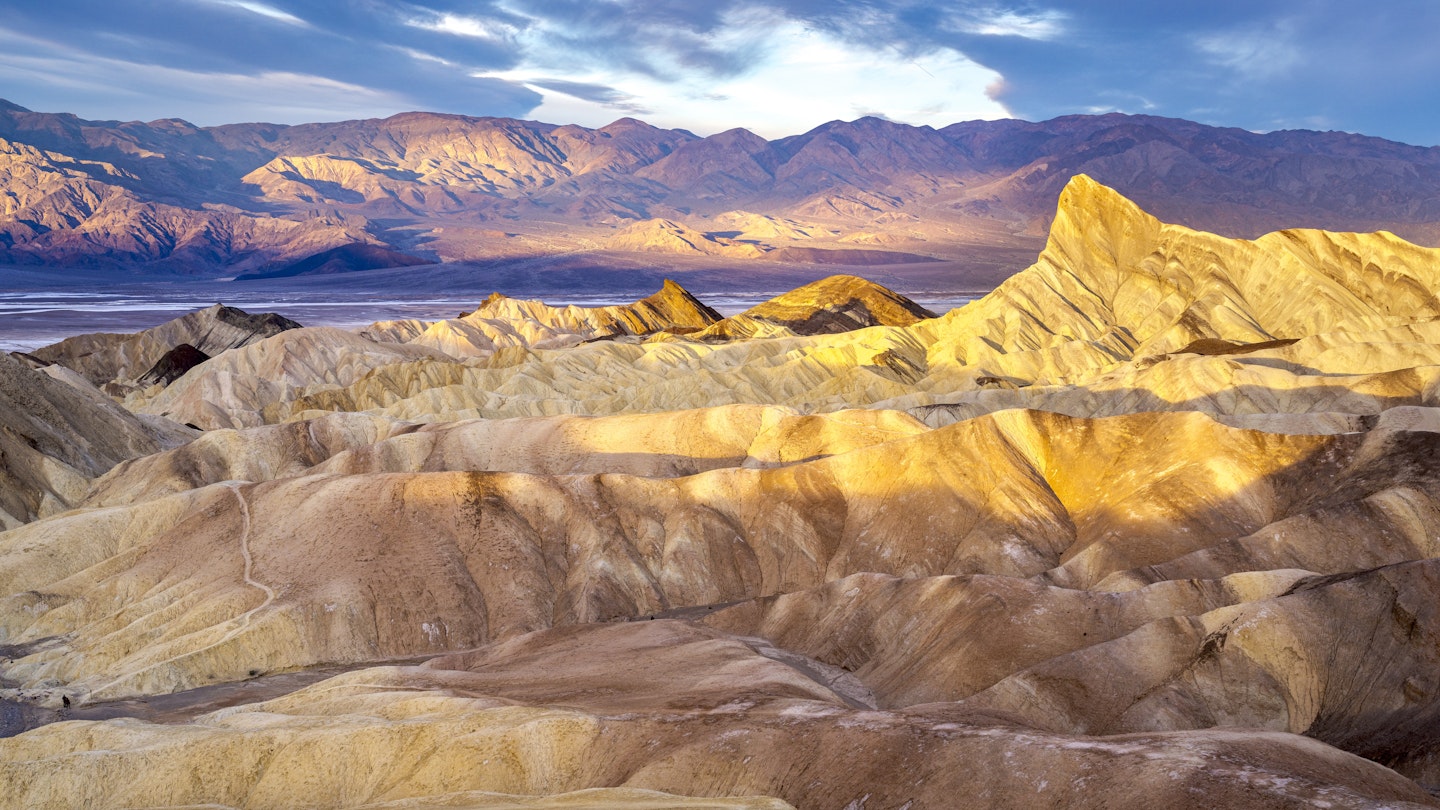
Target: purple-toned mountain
167,195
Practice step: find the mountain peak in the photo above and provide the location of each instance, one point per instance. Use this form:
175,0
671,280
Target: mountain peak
840,303
1084,193
1094,215
626,123
679,306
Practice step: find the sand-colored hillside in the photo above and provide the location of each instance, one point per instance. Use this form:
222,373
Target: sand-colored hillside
1108,307
350,563
1153,524
501,323
702,714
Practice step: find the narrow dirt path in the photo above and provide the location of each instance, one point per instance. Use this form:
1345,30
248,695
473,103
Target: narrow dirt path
243,620
249,560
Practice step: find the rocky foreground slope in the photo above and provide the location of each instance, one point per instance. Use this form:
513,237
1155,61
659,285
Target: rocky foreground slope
1153,524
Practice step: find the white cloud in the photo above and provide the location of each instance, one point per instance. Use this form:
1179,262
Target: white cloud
264,11
1121,102
798,78
421,56
462,26
1043,25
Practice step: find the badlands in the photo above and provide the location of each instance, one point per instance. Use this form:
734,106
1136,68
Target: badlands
1154,524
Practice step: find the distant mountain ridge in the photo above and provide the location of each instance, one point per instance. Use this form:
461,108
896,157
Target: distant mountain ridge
168,196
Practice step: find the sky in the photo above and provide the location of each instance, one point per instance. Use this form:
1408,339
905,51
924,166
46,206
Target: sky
776,67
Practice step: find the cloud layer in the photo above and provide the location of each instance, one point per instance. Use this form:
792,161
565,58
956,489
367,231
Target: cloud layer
777,67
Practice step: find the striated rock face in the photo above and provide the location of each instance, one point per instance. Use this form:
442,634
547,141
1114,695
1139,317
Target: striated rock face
1268,649
1153,524
667,445
1301,668
268,371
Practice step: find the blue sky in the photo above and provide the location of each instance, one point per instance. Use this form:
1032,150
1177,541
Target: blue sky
778,67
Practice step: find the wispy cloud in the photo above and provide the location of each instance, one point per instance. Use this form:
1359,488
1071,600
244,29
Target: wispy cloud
463,26
264,11
1258,53
998,22
150,91
596,93
422,56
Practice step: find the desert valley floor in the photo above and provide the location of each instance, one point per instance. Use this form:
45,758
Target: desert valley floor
1156,523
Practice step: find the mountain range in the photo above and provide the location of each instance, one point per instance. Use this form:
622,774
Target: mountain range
964,205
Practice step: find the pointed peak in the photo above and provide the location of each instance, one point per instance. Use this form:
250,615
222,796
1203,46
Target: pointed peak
737,135
680,305
839,303
1086,187
1096,228
1085,200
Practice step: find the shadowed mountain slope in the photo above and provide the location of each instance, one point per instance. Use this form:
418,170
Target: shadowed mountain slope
58,433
